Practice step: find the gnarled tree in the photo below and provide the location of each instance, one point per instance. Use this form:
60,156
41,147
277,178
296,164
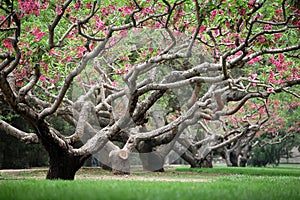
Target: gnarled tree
109,67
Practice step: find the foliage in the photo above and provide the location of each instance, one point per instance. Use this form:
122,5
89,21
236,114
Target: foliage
13,153
270,152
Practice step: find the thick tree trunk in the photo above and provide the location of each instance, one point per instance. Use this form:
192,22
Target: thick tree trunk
203,163
152,161
63,165
233,159
120,163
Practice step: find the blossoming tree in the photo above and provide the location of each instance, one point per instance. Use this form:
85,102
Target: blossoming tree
144,76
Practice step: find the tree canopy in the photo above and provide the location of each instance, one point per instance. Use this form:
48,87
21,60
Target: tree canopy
149,77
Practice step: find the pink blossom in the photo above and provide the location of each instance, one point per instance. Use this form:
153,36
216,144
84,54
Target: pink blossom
81,50
278,65
127,65
271,77
202,28
42,78
148,10
77,5
243,12
23,71
262,39
112,8
29,7
104,12
38,34
158,25
252,2
70,35
58,10
216,32
19,83
254,60
253,76
277,36
115,83
214,13
7,43
278,11
126,11
68,58
272,59
53,52
100,25
270,90
89,5
150,50
268,27
281,58
292,128
227,24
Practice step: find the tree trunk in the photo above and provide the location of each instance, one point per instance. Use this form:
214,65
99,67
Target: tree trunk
152,161
203,163
64,165
120,163
233,159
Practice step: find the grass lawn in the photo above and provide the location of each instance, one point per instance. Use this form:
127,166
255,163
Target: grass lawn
222,183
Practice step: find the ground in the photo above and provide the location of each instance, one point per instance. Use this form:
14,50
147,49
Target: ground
94,173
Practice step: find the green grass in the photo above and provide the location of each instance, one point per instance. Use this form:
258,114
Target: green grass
235,187
223,183
254,171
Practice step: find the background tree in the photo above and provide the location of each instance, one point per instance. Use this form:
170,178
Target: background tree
79,60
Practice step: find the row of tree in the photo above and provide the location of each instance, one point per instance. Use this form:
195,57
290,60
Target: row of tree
148,77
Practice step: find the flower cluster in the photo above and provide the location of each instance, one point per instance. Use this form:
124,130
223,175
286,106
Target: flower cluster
28,7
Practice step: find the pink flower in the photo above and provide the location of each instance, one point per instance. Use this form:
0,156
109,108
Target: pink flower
262,39
202,28
53,52
214,13
278,11
68,58
23,71
270,90
243,12
89,5
77,5
115,83
253,77
30,7
292,128
281,58
227,24
42,78
58,10
277,36
254,60
7,43
100,25
252,2
104,12
38,34
272,59
268,27
147,10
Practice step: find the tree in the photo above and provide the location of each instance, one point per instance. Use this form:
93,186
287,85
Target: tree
109,67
